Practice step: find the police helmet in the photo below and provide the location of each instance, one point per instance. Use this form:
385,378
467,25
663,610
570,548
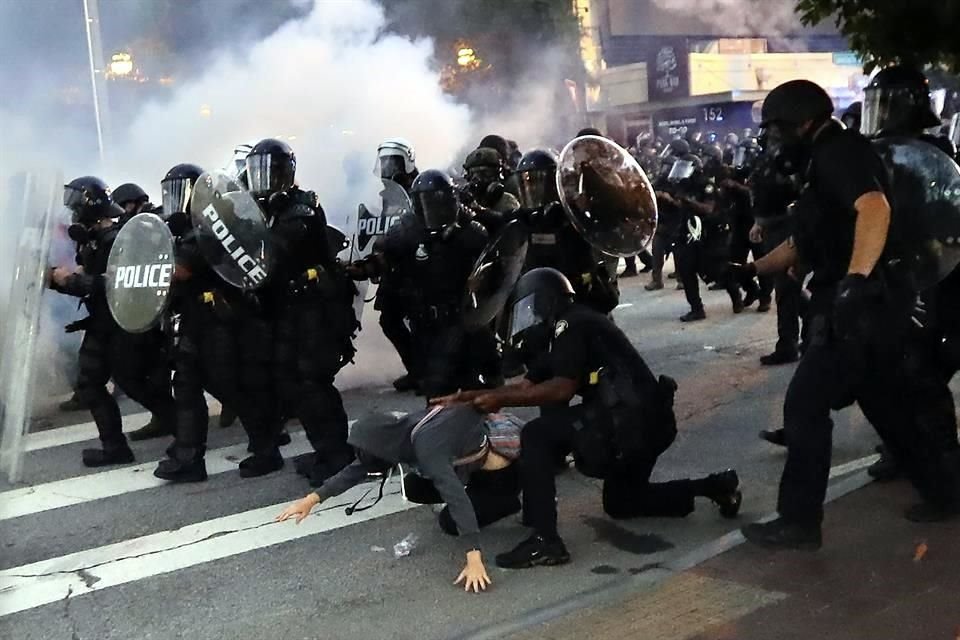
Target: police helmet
897,101
537,171
435,199
271,167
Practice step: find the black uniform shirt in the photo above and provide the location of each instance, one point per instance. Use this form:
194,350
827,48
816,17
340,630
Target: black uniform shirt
585,342
843,168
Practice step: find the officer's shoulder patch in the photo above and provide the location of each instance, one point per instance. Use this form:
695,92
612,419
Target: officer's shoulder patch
561,327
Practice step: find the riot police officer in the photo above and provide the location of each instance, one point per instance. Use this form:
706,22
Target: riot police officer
213,340
670,223
554,242
132,199
624,424
396,160
860,307
485,196
897,103
453,357
706,247
309,299
107,351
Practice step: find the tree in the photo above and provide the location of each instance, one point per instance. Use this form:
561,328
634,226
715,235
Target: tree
915,32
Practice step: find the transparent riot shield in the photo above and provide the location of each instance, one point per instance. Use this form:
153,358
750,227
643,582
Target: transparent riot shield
495,273
140,272
382,203
925,198
30,202
607,196
231,229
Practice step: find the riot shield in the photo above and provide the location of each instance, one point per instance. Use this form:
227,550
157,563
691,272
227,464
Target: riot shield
496,271
607,196
30,203
382,204
925,198
140,272
231,229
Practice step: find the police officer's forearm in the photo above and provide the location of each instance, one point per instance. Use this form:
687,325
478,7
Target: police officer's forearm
779,260
870,235
549,392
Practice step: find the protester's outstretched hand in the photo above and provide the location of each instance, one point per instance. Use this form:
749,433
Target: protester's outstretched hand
299,509
474,575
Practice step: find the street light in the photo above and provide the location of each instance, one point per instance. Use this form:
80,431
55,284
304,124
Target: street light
121,64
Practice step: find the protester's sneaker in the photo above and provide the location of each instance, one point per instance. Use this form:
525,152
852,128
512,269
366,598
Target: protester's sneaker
105,457
176,471
774,436
260,465
725,492
534,551
779,534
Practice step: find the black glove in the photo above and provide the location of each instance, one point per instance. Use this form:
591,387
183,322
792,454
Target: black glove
854,296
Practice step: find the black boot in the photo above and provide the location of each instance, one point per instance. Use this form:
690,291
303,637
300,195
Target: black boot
693,315
764,305
405,383
779,357
885,469
630,271
737,301
724,490
261,464
105,457
156,428
325,468
176,471
775,436
779,534
654,285
283,439
73,403
534,551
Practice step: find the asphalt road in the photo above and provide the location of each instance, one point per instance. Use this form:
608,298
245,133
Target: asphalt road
103,555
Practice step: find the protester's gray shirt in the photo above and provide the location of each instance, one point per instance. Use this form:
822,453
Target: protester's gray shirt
454,433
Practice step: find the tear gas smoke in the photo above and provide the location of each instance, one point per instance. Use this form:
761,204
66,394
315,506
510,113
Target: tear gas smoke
332,83
740,17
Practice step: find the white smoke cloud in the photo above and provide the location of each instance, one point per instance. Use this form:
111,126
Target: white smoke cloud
332,84
735,17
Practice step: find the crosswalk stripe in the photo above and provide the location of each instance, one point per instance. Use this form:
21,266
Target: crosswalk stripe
81,432
78,490
56,579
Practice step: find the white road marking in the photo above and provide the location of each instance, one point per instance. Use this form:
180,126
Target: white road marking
78,433
114,482
853,465
57,579
624,305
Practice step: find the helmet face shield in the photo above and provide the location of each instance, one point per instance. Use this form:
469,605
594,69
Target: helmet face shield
390,166
72,197
535,188
438,208
176,195
269,173
523,315
483,175
895,109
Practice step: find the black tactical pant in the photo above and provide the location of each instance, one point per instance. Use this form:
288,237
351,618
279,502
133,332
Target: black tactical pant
494,495
662,244
691,261
455,358
394,326
313,342
230,359
627,490
833,374
137,364
788,293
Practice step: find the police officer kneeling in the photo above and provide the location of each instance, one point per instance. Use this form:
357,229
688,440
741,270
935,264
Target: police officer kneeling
623,425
